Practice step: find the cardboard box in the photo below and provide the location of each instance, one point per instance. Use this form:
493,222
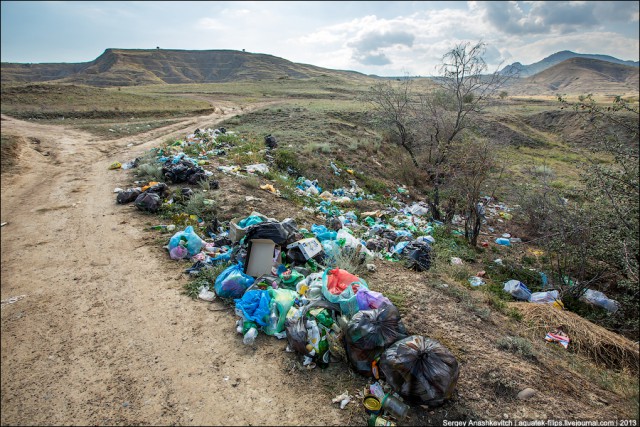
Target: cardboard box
260,257
309,247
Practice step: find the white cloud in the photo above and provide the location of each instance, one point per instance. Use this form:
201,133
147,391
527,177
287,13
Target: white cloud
210,24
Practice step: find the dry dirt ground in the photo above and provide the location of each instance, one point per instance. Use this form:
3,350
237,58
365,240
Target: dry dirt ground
103,334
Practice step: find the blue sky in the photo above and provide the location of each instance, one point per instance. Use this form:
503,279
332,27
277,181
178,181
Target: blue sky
386,38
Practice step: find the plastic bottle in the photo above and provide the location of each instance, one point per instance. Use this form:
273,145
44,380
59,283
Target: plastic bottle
394,406
273,319
250,336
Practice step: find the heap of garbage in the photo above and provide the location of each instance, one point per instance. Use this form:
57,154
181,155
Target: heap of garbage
285,282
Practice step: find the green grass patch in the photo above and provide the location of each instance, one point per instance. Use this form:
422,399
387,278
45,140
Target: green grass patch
206,277
52,101
516,345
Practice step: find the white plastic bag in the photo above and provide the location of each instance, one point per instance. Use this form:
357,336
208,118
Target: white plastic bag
548,297
600,300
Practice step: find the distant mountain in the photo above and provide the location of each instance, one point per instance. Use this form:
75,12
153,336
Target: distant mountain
581,76
558,57
126,67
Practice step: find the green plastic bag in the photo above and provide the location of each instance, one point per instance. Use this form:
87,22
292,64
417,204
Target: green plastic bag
281,301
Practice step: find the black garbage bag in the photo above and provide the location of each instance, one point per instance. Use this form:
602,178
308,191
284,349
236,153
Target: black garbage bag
268,230
128,195
221,241
270,141
420,369
214,184
379,244
186,192
334,223
295,256
148,202
418,255
195,176
369,333
290,226
161,189
183,171
389,234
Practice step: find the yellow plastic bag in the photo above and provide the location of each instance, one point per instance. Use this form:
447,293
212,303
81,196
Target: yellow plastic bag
115,165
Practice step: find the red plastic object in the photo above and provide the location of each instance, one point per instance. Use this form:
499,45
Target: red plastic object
338,280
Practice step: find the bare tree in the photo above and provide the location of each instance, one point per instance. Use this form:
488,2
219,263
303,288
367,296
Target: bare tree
470,171
428,123
446,111
392,107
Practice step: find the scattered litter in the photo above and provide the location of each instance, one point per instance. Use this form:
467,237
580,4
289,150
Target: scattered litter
476,281
518,290
558,336
343,399
3,224
503,241
205,294
599,299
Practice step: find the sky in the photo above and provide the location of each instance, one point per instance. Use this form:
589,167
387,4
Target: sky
385,38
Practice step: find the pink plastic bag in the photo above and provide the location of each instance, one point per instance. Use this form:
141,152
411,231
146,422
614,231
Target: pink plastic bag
179,252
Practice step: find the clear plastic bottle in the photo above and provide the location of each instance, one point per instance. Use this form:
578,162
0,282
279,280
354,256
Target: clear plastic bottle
394,406
273,320
250,336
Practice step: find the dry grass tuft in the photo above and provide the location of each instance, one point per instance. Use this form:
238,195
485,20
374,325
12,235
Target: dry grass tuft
604,347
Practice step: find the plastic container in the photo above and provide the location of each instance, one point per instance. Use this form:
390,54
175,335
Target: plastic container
518,290
250,336
394,407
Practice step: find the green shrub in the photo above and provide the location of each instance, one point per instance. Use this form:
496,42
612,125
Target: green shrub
516,345
286,158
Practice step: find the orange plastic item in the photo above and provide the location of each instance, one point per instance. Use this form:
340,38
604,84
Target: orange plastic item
151,184
338,280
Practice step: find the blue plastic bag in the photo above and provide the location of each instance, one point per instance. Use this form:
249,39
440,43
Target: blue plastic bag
254,305
220,259
250,220
193,241
232,282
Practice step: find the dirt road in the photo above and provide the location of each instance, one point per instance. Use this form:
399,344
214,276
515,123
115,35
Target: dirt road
102,333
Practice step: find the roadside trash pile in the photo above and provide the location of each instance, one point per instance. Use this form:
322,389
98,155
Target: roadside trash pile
285,283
